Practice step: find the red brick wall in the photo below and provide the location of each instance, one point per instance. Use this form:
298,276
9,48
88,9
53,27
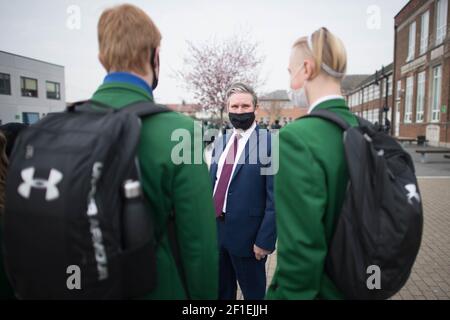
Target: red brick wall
401,52
292,113
408,10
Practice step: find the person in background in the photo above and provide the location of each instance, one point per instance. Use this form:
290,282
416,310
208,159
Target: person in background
312,177
276,125
243,199
12,131
6,291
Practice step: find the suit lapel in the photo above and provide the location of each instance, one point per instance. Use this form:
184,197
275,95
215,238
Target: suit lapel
250,147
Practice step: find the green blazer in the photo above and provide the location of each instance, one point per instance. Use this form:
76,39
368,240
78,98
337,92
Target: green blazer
186,188
309,192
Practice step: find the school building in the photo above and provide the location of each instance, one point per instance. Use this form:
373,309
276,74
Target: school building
371,98
276,105
422,71
29,88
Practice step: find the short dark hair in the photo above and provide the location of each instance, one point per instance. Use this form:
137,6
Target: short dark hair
240,87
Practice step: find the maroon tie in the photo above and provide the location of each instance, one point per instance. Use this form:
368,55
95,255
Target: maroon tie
225,175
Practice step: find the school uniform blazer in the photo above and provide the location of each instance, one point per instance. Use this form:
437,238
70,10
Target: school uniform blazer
309,191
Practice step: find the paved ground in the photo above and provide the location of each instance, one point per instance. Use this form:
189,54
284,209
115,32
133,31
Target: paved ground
435,165
430,278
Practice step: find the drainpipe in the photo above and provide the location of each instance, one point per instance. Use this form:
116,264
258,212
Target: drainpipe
394,86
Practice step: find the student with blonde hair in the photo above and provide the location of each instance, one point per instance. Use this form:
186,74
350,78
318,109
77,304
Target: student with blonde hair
312,177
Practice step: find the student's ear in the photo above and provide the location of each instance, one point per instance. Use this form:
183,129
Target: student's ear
156,60
310,67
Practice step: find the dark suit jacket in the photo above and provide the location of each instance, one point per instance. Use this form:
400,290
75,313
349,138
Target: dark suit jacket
250,210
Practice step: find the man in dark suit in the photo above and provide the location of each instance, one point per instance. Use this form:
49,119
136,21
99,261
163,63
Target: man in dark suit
242,178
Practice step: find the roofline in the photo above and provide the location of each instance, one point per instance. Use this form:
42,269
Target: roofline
18,55
272,99
401,10
371,78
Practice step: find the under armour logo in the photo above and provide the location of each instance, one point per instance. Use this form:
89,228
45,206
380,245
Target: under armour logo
50,184
413,194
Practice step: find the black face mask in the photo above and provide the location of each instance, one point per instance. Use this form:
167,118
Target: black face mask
152,63
242,120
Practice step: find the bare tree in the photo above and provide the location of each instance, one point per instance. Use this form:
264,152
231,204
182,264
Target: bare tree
212,67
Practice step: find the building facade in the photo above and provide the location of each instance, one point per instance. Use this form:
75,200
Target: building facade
422,71
277,106
29,88
372,98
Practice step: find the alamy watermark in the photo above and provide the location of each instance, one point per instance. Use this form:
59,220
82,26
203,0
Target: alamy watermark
374,280
73,281
73,21
262,148
373,17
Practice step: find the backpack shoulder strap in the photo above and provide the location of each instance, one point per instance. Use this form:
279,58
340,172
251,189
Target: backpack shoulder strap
144,108
328,116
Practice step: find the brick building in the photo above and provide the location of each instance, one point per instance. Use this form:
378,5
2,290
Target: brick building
372,97
422,71
188,109
277,106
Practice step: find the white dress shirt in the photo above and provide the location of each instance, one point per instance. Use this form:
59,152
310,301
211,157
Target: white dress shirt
323,99
245,136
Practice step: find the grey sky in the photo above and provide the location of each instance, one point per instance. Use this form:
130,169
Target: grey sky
38,29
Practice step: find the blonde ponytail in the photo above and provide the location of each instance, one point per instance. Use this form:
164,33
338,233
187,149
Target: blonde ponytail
328,52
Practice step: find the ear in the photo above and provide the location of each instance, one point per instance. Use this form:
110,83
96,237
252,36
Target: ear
156,58
309,68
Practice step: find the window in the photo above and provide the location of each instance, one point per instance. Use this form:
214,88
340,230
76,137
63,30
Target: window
412,42
409,99
376,92
425,22
436,103
53,90
5,84
376,115
383,87
30,117
29,87
399,89
390,85
420,96
441,20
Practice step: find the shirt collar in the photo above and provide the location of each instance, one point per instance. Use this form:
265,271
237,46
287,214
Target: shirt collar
322,100
245,134
126,77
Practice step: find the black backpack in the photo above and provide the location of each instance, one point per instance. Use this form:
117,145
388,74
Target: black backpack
74,204
379,230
